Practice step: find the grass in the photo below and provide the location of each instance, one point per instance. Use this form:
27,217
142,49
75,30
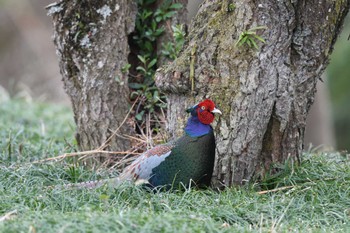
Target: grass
319,200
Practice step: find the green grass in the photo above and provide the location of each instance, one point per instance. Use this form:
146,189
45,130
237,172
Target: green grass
319,201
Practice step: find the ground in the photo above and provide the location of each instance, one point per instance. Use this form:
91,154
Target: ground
312,197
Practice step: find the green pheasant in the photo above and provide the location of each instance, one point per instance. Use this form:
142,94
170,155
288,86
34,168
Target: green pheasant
188,159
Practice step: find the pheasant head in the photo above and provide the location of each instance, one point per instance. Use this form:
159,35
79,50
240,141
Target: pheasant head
202,115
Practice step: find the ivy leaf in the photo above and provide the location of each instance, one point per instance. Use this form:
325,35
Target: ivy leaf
148,46
176,6
158,19
169,14
141,58
152,63
139,116
141,69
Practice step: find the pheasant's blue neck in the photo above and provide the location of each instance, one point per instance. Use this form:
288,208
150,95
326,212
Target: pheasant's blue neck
195,128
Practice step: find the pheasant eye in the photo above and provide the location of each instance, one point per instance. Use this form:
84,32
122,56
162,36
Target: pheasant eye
203,108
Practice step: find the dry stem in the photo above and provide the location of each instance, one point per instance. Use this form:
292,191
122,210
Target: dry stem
99,150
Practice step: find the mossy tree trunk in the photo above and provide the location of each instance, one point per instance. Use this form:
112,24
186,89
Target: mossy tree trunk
91,38
264,94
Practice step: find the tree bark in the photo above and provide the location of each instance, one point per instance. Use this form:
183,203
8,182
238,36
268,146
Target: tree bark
91,38
179,18
264,94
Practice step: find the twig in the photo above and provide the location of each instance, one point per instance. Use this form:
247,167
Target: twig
275,190
149,131
123,161
8,215
310,183
134,138
105,143
100,150
163,137
67,155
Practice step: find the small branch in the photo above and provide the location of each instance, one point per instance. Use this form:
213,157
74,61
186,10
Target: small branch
275,190
8,215
134,138
99,150
310,183
67,155
105,144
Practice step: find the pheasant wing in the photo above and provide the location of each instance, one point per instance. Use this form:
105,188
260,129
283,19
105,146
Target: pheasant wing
141,168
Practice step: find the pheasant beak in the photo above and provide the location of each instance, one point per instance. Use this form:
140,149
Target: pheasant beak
215,110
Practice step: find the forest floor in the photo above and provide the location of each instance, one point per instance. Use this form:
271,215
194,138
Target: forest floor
311,197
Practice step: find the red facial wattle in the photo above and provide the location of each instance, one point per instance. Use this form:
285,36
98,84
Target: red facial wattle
204,111
205,116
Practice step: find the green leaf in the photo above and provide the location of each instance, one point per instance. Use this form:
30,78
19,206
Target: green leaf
139,115
245,39
134,95
126,67
169,14
147,14
150,87
136,86
159,31
242,41
260,38
140,68
158,12
156,96
104,197
148,46
142,59
76,36
158,19
149,82
257,28
152,63
176,6
254,44
249,33
249,43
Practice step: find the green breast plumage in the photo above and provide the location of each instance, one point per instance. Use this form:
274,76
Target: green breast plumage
191,158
